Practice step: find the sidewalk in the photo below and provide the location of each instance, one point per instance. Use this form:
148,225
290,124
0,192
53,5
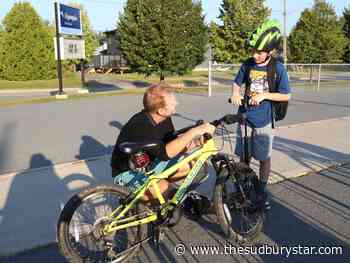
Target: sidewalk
31,200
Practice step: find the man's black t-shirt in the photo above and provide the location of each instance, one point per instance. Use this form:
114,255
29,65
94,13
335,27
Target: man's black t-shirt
140,128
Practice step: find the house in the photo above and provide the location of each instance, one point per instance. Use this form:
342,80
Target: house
108,56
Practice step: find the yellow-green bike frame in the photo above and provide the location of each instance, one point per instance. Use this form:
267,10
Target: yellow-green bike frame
117,217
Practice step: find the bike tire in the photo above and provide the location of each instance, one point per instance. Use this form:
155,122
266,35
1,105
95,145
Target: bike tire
226,224
68,244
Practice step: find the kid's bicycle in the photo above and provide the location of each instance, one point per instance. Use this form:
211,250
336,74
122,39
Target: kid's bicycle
107,223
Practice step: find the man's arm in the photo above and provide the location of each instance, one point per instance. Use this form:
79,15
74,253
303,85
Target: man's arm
177,145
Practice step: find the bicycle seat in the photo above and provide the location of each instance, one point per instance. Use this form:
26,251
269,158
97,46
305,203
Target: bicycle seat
134,147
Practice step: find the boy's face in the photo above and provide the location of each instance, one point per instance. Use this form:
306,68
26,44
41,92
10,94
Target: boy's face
260,56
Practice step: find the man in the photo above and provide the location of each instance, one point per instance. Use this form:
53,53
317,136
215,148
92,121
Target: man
263,42
154,123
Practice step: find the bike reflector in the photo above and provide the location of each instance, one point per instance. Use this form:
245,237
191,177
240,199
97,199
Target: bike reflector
140,160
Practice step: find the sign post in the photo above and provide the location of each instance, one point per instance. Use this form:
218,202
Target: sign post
59,64
68,22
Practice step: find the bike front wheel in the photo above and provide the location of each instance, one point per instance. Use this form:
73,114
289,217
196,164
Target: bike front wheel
236,205
82,219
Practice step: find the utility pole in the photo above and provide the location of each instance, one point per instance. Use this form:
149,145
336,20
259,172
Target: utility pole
285,31
209,72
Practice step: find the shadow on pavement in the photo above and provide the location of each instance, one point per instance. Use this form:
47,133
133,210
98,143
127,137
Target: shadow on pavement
306,154
90,148
33,202
97,86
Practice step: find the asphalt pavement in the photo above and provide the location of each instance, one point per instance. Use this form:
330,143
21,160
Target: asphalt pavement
65,131
309,211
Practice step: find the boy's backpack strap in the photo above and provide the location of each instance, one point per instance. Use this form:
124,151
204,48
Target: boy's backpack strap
271,75
279,108
249,65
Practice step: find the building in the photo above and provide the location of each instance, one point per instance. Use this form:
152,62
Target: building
108,56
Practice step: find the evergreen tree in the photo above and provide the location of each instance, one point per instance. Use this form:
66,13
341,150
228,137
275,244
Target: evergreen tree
317,36
346,31
239,18
26,52
162,36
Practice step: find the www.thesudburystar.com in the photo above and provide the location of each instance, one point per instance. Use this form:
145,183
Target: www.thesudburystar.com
228,249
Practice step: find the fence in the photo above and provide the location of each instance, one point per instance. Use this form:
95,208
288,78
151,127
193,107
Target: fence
107,61
314,76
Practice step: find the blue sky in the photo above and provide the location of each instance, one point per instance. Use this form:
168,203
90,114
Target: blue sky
103,14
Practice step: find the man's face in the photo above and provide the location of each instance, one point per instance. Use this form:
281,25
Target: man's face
170,105
260,56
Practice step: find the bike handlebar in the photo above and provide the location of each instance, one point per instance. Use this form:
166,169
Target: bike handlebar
227,119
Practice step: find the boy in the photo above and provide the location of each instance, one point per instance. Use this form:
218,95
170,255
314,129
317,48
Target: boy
263,42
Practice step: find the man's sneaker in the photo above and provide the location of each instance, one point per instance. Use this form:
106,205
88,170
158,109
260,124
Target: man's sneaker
195,205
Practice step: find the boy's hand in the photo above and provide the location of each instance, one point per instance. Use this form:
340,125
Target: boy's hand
256,99
236,99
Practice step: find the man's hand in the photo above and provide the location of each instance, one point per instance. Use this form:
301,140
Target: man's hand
256,99
179,144
204,128
197,142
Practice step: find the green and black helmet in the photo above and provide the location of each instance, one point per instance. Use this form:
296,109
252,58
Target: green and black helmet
266,37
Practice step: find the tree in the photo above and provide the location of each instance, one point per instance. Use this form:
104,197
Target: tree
26,52
239,18
346,31
162,36
317,36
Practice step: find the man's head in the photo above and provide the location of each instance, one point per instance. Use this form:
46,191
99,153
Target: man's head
160,99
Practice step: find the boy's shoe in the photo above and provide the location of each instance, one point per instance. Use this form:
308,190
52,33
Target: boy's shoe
263,201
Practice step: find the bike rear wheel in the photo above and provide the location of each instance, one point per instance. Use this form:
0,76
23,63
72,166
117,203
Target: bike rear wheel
238,214
82,219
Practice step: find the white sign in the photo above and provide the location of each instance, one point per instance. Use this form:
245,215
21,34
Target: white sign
71,48
69,20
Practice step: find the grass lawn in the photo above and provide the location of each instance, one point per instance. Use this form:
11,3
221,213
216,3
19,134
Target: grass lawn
4,103
72,80
195,78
